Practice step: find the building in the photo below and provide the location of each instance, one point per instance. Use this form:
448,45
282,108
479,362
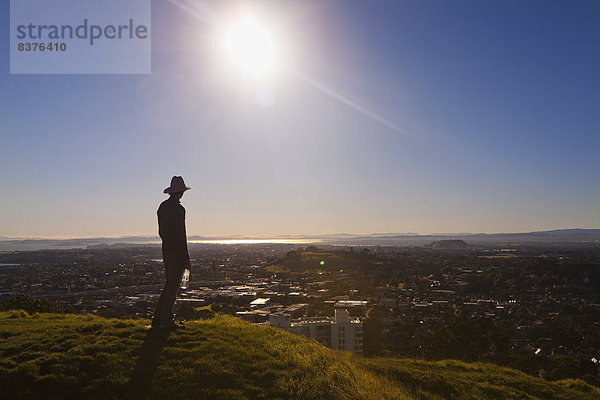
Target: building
342,333
260,302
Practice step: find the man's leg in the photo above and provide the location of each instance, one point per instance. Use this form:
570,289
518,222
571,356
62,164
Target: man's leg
159,306
163,316
169,294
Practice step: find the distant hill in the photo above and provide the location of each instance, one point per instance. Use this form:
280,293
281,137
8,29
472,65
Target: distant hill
60,356
580,237
449,244
313,258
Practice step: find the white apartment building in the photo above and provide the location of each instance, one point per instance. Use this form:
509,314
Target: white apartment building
343,333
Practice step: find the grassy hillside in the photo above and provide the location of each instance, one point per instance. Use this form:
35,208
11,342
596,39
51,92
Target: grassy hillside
54,356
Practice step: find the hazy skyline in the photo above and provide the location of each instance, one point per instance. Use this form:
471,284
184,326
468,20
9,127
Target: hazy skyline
408,116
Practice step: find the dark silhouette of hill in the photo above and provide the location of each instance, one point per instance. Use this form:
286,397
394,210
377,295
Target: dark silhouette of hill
65,356
449,244
313,258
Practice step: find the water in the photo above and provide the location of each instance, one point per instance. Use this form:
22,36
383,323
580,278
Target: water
66,244
256,241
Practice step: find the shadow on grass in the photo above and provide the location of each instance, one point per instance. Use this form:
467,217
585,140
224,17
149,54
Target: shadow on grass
145,367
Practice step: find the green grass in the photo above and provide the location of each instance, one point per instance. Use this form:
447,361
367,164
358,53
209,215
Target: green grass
60,356
277,268
451,379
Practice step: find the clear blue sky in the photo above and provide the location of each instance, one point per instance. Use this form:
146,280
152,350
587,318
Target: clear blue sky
500,101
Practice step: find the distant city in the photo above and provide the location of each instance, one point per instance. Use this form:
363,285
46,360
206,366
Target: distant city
532,305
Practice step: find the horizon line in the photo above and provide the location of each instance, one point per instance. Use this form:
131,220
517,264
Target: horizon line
283,236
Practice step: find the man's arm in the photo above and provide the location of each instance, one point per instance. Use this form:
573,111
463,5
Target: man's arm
182,236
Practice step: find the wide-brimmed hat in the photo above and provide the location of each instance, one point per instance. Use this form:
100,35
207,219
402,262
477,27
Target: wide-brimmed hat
177,185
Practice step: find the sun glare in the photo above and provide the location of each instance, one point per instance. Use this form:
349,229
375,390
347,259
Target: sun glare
250,48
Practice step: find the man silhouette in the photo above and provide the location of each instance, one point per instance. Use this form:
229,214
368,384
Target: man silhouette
171,229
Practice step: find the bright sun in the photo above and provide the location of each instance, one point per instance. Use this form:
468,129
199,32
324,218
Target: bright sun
251,48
